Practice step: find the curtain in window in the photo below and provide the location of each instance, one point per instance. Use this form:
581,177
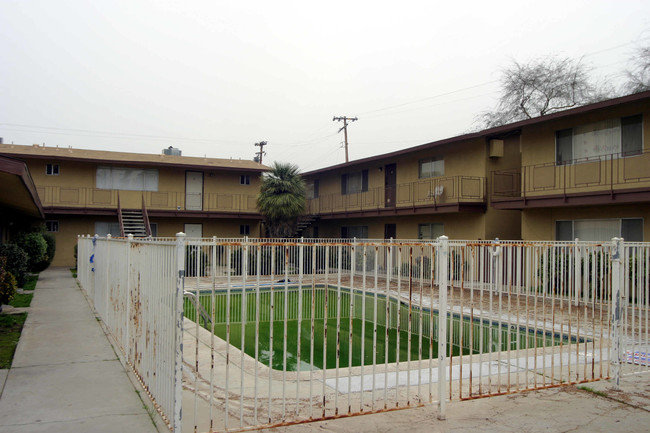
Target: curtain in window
430,231
596,230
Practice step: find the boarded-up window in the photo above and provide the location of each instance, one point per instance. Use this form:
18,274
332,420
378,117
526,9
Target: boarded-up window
128,179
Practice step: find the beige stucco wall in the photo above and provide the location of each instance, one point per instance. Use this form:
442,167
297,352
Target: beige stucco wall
538,141
456,226
70,226
79,179
464,158
539,224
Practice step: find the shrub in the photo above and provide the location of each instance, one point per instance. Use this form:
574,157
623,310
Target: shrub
50,240
35,247
16,262
8,283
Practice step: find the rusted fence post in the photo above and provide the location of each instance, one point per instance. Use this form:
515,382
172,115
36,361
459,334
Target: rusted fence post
443,279
178,313
617,280
127,324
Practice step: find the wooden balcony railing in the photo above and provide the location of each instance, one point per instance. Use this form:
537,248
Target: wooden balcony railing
586,175
439,191
80,197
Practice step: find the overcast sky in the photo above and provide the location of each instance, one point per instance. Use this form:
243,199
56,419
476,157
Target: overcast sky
215,77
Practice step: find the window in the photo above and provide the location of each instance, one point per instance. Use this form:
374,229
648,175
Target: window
312,189
52,226
127,179
430,230
432,167
154,229
52,169
244,179
106,228
621,136
353,183
630,229
359,232
245,229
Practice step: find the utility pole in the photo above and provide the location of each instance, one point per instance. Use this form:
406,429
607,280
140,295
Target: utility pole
345,129
261,153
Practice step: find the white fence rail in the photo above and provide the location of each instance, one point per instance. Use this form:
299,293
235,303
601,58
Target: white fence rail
283,331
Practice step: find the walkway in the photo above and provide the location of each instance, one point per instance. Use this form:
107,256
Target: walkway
65,376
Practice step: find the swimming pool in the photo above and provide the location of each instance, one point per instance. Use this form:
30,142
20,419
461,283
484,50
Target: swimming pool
369,328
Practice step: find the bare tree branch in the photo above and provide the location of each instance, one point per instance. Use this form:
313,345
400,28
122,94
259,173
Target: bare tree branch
638,76
541,87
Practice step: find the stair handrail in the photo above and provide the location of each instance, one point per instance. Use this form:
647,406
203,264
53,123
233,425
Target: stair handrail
119,215
145,217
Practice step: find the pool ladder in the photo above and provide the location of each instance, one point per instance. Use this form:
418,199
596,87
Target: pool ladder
195,301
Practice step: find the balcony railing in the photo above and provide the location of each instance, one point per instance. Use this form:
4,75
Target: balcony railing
439,191
80,197
586,175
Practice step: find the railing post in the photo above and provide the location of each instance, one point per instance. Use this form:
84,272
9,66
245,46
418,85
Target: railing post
577,280
127,341
443,267
178,343
617,276
93,261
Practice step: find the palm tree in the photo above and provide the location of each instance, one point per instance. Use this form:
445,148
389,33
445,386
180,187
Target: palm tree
282,198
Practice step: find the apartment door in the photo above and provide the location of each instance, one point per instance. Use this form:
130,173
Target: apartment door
193,190
194,230
390,231
390,184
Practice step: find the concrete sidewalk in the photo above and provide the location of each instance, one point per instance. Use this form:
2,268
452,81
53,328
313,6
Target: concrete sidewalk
65,376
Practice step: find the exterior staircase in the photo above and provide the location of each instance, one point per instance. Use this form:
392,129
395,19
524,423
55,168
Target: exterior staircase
133,223
305,222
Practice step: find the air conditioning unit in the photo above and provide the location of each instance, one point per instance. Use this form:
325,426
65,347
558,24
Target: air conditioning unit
172,151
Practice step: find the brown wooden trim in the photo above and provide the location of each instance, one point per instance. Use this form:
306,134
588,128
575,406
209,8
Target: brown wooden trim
136,164
634,195
19,169
60,210
414,210
203,214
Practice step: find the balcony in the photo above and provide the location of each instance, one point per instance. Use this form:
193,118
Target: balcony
435,195
604,179
82,200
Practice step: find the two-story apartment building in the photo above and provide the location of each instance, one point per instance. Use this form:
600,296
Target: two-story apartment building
584,173
580,173
90,191
420,192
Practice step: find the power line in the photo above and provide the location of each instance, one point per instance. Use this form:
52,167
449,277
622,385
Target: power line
108,134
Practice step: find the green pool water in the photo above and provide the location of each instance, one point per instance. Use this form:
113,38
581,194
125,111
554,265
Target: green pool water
384,324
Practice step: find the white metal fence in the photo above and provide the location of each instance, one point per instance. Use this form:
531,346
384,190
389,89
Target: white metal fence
279,331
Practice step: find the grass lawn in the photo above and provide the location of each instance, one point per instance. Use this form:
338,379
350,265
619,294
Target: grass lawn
21,300
31,282
10,328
